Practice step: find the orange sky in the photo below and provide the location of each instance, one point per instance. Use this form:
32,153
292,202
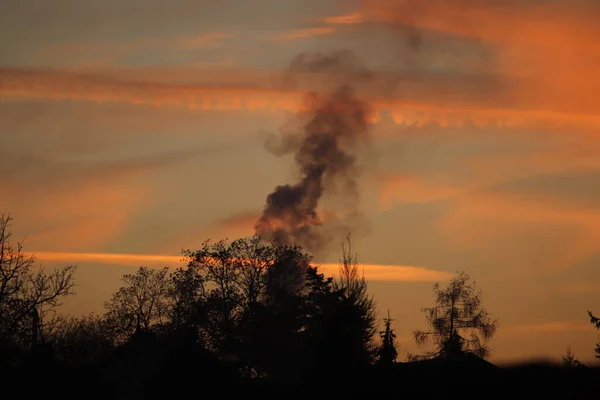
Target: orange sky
131,133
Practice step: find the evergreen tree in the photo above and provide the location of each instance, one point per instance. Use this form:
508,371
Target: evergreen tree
353,324
570,361
388,351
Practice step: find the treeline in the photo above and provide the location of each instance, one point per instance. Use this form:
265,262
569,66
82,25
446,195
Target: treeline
246,311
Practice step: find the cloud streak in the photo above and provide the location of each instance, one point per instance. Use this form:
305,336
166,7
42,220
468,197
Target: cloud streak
374,272
305,33
27,169
418,104
107,53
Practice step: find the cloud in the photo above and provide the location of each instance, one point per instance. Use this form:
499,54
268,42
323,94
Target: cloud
305,33
241,225
107,53
80,218
151,260
523,230
543,54
237,225
376,272
403,188
502,21
30,169
80,204
371,271
345,19
430,98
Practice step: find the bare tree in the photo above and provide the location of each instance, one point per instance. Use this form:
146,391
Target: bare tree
29,294
459,322
140,305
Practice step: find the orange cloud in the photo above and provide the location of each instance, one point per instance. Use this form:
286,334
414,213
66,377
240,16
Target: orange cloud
78,218
499,221
376,272
259,95
211,39
346,19
76,86
401,188
371,271
305,33
150,260
239,225
546,53
515,22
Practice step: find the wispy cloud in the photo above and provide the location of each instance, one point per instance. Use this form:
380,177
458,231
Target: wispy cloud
81,218
18,168
403,188
413,107
544,53
345,19
80,204
108,53
305,33
521,231
371,271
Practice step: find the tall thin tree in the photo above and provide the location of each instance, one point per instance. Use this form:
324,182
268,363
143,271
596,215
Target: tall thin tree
357,309
388,350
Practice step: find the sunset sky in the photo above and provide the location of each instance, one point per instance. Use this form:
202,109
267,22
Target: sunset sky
133,129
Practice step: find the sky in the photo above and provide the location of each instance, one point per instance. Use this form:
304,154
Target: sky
132,129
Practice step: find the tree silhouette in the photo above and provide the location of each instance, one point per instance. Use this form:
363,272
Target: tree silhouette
140,305
186,294
247,301
459,323
569,360
596,322
388,350
28,294
81,341
354,321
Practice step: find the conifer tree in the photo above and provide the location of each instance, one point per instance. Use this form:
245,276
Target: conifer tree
388,351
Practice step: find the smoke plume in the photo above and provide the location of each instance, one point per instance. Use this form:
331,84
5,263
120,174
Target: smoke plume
326,139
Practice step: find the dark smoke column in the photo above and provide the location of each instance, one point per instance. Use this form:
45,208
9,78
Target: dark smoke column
326,139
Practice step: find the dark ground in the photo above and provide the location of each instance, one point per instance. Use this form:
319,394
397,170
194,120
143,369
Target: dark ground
471,378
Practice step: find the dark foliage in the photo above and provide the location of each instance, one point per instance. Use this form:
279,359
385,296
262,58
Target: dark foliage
596,322
388,350
459,322
248,318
